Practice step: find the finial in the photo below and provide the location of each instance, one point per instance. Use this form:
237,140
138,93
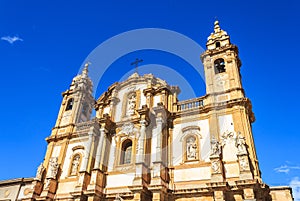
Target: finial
86,70
217,27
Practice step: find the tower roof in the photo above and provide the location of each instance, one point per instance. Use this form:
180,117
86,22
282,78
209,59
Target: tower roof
218,32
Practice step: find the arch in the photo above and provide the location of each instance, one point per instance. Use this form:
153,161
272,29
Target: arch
219,65
70,104
191,143
126,152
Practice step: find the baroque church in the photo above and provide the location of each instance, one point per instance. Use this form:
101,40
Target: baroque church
144,144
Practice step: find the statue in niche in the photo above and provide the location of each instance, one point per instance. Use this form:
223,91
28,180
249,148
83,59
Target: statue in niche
40,172
215,148
75,165
53,168
131,103
241,144
191,148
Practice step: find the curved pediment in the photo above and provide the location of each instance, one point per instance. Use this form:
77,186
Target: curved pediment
122,100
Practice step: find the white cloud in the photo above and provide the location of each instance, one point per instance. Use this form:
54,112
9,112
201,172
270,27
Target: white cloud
295,184
10,39
286,169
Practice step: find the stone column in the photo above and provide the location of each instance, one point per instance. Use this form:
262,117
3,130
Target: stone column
140,157
98,164
88,148
159,122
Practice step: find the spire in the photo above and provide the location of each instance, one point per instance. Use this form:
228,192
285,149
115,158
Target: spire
85,70
217,28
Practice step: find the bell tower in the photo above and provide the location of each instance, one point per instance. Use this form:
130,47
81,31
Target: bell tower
231,112
77,101
222,67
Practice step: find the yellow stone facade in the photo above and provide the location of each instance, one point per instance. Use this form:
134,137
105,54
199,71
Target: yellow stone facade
146,145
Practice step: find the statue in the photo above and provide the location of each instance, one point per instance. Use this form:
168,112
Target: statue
215,148
241,144
191,148
53,167
75,165
39,173
131,104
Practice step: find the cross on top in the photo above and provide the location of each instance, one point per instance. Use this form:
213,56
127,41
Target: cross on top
136,63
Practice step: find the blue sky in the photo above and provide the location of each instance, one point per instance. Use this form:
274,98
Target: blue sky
57,36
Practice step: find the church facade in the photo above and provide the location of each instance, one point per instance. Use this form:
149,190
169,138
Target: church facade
146,145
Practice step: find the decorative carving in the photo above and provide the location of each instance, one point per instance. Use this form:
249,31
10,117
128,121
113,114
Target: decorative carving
131,103
53,168
191,148
215,166
241,144
128,129
215,148
39,173
244,165
227,137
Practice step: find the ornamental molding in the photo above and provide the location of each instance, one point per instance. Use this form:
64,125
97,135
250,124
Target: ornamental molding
128,129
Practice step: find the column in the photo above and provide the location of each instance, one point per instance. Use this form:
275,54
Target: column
97,164
140,157
88,147
159,122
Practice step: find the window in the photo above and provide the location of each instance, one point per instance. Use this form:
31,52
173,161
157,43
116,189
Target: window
219,66
70,104
75,165
218,44
191,148
126,152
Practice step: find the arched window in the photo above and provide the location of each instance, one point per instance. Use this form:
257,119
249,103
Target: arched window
191,148
218,44
219,66
70,104
75,165
126,152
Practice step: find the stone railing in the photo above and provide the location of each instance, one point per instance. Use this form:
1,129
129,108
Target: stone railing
190,104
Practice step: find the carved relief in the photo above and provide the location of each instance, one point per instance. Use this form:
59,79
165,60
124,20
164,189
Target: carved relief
128,129
215,148
228,137
131,104
241,144
215,166
53,168
244,164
